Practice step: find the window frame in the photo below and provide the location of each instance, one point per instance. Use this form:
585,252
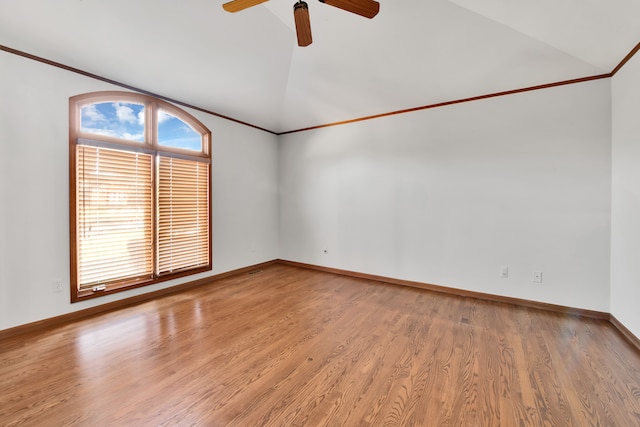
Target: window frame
150,145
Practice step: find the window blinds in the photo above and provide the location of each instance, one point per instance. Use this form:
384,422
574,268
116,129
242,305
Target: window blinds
183,214
114,215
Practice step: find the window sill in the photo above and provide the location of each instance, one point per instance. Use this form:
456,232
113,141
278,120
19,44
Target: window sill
115,287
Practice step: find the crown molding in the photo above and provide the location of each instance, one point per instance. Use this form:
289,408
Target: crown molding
344,122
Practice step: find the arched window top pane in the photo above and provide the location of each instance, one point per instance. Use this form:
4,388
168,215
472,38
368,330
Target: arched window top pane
176,133
122,120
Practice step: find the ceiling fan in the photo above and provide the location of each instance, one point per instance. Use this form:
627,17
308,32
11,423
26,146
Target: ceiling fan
366,8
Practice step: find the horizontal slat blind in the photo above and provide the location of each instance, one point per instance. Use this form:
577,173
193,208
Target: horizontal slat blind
114,214
183,214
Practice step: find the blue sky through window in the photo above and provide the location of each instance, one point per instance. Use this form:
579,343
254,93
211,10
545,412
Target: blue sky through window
115,119
173,132
125,120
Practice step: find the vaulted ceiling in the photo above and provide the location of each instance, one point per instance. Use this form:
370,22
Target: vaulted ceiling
247,65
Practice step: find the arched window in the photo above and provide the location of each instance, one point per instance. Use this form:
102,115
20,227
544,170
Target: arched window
140,210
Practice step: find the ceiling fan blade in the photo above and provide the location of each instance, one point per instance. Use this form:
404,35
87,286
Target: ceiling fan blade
366,8
238,5
303,24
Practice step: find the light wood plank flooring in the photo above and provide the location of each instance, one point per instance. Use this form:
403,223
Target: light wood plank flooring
293,347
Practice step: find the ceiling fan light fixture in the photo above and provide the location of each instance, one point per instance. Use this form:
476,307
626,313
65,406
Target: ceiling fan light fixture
303,23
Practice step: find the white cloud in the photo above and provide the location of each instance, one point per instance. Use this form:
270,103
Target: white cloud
90,114
101,131
117,133
124,113
132,136
163,117
141,117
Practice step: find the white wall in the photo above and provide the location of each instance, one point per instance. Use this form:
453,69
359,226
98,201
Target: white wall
34,218
447,195
625,230
3,205
442,196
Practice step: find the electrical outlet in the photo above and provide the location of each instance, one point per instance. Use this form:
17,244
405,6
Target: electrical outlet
504,271
57,286
537,277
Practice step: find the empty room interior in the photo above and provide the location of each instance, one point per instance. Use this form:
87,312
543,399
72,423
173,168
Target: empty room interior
340,213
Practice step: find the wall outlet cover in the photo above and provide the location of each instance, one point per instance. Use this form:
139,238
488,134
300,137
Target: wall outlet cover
504,271
537,276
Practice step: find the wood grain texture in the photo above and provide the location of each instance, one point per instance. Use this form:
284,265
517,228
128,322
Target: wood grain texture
51,322
459,292
292,347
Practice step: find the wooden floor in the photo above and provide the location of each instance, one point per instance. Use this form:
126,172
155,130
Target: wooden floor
292,347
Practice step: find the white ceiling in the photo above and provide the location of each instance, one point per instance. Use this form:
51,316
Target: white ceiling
248,66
